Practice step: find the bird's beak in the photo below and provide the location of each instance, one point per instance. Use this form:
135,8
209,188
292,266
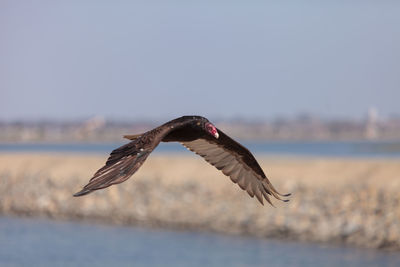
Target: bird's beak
216,135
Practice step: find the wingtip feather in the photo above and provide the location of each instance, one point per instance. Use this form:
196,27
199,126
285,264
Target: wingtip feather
82,193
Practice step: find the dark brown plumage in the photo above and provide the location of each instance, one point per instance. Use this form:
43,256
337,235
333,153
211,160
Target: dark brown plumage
198,135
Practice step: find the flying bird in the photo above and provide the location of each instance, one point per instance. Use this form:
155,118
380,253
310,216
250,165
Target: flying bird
198,135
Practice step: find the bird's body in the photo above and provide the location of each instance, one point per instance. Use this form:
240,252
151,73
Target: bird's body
198,135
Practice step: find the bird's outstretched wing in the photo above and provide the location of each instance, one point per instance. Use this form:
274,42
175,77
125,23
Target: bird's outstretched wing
121,164
227,155
237,162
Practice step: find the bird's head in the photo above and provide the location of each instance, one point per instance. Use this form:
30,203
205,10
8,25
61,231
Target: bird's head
211,129
202,123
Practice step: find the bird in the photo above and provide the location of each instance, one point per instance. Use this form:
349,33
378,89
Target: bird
198,135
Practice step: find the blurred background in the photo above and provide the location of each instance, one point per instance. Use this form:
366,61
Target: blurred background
311,87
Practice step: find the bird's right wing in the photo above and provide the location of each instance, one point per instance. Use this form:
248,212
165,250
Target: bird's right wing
122,163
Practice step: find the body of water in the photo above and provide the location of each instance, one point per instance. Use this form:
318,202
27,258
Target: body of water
328,149
39,242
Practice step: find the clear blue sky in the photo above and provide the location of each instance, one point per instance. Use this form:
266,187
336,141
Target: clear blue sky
161,59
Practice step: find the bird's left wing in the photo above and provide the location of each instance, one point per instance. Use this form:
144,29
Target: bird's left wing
235,161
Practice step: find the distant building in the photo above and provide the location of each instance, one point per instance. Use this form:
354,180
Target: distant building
371,125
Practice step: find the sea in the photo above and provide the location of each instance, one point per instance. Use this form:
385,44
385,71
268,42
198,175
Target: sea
41,242
368,149
44,242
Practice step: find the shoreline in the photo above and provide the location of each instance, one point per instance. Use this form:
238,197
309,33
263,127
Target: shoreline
345,201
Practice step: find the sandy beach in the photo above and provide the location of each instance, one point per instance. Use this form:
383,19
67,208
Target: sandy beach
353,201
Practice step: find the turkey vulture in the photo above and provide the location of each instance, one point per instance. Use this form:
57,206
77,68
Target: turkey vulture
198,135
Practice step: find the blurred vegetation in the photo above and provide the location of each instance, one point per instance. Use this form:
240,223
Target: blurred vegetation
354,201
303,127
